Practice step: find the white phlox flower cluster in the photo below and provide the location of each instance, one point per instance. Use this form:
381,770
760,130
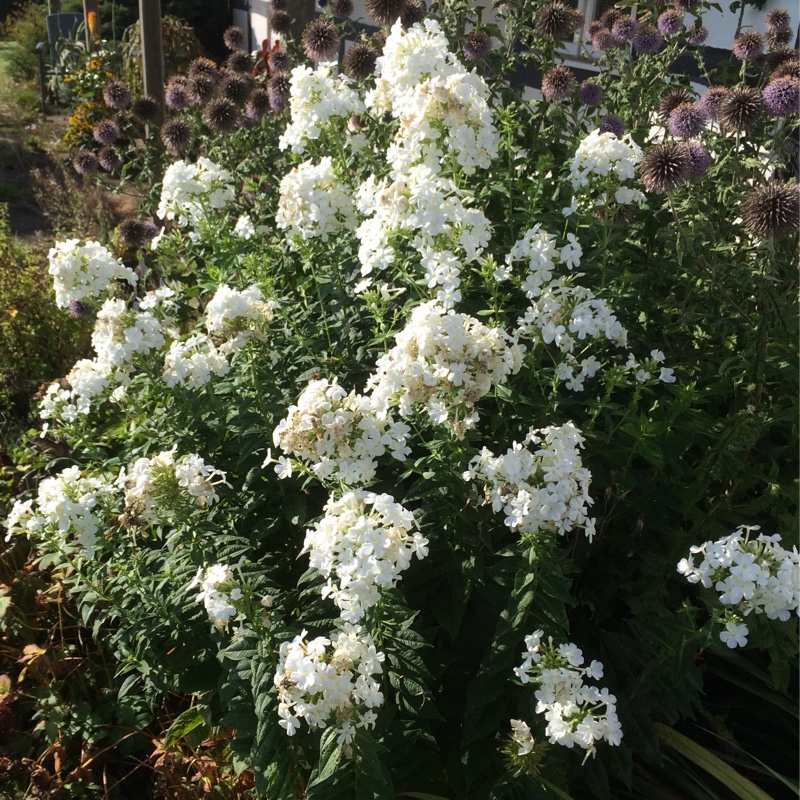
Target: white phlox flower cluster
443,110
159,484
329,681
361,546
231,311
189,191
602,168
576,713
430,208
522,737
83,271
68,503
538,489
749,575
244,228
319,98
120,335
338,434
313,203
218,592
446,362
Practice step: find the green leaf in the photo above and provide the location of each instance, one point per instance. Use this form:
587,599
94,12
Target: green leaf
184,724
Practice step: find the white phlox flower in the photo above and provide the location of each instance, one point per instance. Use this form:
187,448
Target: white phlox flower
191,191
218,592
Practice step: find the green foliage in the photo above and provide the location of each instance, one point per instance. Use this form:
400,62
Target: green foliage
26,26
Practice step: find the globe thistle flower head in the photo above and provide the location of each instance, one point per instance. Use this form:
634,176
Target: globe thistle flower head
109,158
258,104
203,66
321,39
477,45
779,56
177,135
385,12
116,95
558,83
414,12
742,109
342,8
790,67
686,5
555,21
782,96
625,29
85,162
671,100
280,22
106,132
711,100
748,45
136,232
777,21
236,87
590,93
78,309
670,22
687,120
699,158
234,38
773,210
780,38
611,16
612,124
279,90
697,35
221,115
145,108
280,5
604,40
200,89
279,61
240,62
665,167
359,61
593,28
648,41
175,95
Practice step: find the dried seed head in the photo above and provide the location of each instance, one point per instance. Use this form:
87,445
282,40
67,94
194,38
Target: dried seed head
772,210
177,135
221,115
145,108
742,109
665,167
359,61
321,39
236,87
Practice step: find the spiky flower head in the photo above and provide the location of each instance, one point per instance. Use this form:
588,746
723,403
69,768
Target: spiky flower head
712,99
670,23
279,90
116,95
280,22
686,5
280,5
778,56
790,67
321,39
741,110
777,21
611,16
234,38
136,232
177,135
236,87
648,41
611,124
697,34
687,120
413,13
782,96
625,29
258,105
203,66
359,61
385,12
603,39
145,108
590,93
85,162
477,45
79,309
558,83
109,158
106,132
200,89
665,167
748,45
555,21
772,210
221,115
699,158
239,61
279,61
175,94
342,8
671,100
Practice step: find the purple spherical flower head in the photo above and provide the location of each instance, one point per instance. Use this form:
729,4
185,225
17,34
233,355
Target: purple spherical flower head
670,22
477,45
697,35
711,100
625,29
687,120
175,96
109,158
611,124
558,83
699,158
106,132
116,95
777,21
782,96
748,45
79,309
85,162
590,93
648,41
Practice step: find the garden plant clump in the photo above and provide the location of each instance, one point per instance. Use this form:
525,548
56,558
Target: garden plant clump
399,375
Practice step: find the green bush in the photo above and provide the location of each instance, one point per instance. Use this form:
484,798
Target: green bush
27,27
